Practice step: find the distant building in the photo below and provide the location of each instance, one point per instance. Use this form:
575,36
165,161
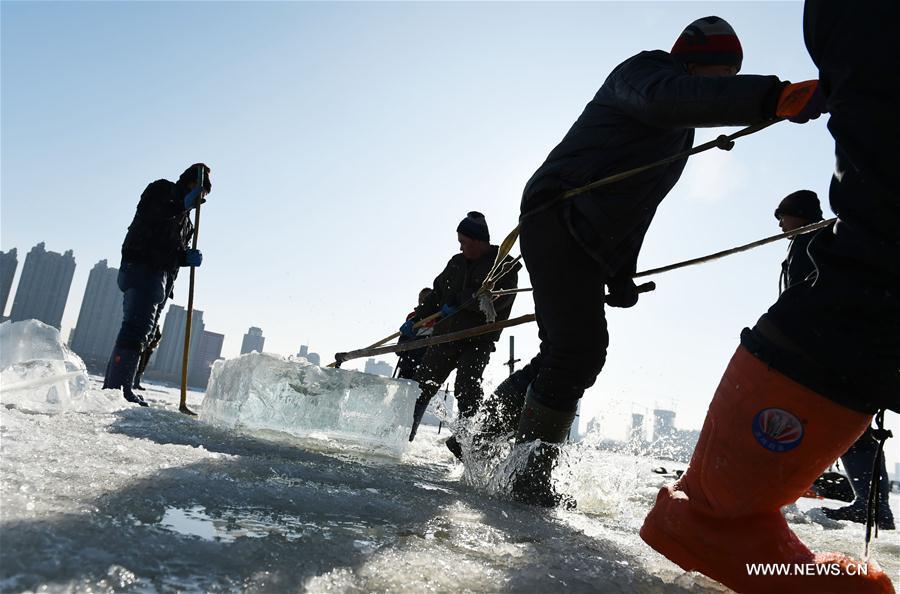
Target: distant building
44,286
167,362
8,264
311,357
253,341
636,431
382,368
208,350
663,423
99,319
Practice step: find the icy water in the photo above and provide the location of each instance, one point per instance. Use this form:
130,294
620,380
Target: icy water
115,498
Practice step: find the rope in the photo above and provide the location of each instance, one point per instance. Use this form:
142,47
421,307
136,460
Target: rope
710,257
723,142
736,250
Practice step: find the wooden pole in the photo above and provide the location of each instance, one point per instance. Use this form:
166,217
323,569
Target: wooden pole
190,305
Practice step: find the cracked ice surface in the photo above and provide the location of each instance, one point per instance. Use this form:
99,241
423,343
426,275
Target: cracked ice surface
126,499
263,392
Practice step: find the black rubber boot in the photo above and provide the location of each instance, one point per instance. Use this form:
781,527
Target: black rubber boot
454,447
120,373
857,463
538,421
142,366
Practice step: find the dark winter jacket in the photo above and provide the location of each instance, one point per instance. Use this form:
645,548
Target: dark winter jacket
645,111
798,265
161,230
844,330
853,56
456,285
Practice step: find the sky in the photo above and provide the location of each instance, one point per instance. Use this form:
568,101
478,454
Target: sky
347,141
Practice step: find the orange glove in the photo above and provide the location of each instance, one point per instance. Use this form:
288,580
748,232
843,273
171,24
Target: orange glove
801,102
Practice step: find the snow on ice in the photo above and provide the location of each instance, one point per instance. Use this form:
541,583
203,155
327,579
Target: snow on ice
103,496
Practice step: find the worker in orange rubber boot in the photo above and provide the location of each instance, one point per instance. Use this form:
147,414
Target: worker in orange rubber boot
807,379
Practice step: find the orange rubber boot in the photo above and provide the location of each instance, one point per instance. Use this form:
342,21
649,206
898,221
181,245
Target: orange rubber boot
765,440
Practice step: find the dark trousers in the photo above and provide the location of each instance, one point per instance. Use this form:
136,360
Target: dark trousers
569,291
144,295
469,359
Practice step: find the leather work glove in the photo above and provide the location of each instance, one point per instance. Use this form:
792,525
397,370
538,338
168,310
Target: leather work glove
407,329
622,292
801,102
193,258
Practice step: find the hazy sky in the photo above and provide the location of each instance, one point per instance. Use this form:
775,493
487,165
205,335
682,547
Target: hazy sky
347,140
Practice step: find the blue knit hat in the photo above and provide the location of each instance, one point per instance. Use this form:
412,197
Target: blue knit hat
474,226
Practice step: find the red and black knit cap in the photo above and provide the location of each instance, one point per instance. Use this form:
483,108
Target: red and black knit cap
709,40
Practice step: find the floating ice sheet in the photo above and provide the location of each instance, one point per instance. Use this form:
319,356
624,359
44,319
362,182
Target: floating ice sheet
266,392
37,371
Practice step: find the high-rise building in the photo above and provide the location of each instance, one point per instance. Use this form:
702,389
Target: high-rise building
253,341
375,367
167,362
663,423
44,286
208,350
313,358
8,264
99,319
636,431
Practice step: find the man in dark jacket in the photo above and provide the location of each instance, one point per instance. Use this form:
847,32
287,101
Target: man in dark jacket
155,247
452,295
808,377
645,111
797,209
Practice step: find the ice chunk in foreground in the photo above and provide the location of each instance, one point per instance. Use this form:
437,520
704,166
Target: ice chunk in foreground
37,371
267,392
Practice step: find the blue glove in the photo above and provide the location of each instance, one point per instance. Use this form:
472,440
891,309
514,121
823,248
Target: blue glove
193,258
448,310
407,329
190,200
